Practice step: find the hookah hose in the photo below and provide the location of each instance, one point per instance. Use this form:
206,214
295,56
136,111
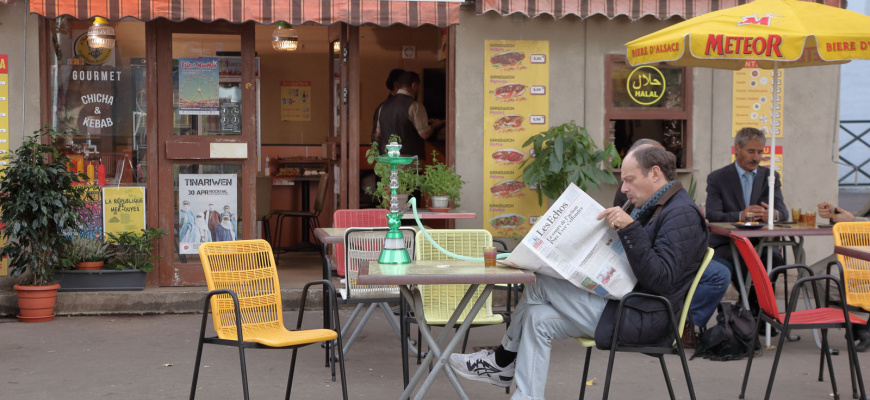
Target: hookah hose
413,203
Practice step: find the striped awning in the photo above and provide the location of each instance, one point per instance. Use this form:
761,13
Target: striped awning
634,9
295,12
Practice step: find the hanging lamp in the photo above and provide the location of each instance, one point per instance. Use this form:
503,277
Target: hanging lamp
285,38
101,35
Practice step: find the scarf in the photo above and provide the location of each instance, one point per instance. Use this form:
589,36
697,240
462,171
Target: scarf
647,209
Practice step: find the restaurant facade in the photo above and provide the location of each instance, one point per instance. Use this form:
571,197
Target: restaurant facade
123,107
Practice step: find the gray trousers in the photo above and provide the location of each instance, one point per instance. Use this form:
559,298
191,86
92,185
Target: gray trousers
549,309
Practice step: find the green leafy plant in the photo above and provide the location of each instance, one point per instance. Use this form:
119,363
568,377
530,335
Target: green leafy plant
693,185
133,250
84,249
440,180
566,154
40,200
408,175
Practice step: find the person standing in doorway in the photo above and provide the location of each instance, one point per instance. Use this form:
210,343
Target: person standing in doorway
393,87
404,116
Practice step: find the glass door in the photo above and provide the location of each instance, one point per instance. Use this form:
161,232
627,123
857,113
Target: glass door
207,142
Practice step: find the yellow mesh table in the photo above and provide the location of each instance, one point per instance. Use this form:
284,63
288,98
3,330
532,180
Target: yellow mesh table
406,276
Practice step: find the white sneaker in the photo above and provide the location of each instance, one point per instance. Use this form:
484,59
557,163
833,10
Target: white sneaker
481,366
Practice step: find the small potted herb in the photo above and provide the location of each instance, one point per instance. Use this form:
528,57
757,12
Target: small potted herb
86,254
133,250
130,259
442,184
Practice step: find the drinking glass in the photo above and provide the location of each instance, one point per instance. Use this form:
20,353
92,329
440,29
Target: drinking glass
810,217
796,214
749,216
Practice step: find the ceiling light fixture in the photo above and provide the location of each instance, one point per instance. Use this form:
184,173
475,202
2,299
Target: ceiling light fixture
101,35
285,38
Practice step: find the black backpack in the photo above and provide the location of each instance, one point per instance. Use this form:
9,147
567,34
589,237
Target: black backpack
731,338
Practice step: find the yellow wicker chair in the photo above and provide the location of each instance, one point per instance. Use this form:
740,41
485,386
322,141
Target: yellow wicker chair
245,300
439,301
658,352
856,273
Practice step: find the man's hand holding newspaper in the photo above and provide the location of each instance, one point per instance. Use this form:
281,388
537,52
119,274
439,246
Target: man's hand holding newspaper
571,242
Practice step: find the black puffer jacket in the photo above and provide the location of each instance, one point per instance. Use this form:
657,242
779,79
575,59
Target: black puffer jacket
665,252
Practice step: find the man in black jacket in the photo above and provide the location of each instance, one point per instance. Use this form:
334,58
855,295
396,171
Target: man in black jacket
406,117
664,238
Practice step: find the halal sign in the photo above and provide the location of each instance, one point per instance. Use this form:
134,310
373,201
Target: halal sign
646,85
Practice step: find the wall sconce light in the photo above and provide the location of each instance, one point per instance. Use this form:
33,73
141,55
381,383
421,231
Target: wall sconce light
101,35
336,46
285,38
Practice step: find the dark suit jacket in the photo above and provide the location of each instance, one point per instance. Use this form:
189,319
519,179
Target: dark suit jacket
725,197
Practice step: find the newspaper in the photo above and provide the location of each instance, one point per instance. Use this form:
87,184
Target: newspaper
569,243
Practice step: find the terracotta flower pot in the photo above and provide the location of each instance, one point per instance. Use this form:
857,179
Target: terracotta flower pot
89,265
36,302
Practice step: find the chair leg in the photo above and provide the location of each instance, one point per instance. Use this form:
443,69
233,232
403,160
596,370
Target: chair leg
782,336
667,376
244,371
685,363
198,358
749,361
465,340
290,376
609,372
585,373
855,367
826,350
359,327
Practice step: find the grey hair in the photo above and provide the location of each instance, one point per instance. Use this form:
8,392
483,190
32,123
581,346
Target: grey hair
644,142
650,156
744,135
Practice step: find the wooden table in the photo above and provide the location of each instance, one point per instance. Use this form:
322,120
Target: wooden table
780,234
452,214
406,276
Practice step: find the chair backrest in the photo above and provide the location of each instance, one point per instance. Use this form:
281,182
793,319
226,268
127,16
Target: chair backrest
439,301
687,304
322,189
363,245
356,218
760,279
856,273
246,267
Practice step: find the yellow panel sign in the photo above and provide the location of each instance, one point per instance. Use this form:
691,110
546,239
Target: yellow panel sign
516,107
754,103
123,209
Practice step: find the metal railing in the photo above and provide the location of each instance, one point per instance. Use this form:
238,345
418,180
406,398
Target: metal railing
857,145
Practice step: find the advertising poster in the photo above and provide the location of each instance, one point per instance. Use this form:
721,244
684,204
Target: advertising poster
207,210
765,160
295,100
198,91
124,209
515,107
4,113
4,261
753,100
92,214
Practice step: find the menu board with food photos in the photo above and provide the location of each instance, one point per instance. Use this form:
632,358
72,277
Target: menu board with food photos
515,107
754,103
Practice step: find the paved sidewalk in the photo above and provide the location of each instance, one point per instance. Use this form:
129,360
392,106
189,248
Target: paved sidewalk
151,357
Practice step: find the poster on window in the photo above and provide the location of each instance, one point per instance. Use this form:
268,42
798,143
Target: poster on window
198,92
515,107
754,103
296,101
208,210
123,209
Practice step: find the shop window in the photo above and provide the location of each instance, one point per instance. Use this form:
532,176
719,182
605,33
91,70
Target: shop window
99,98
649,102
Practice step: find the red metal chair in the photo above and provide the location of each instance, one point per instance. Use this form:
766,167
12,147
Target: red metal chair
822,318
359,218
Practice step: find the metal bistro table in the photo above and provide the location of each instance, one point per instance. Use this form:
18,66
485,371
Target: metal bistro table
406,276
781,234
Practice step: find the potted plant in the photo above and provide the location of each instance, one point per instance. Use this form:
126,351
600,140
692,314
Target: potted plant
409,178
86,253
442,184
40,200
130,259
566,154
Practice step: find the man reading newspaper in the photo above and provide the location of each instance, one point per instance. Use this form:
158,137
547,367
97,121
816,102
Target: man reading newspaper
664,236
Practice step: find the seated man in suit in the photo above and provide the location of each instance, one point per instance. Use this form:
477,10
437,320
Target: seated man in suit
739,188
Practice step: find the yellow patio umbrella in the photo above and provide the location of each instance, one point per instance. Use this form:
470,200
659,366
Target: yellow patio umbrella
774,33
